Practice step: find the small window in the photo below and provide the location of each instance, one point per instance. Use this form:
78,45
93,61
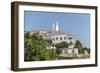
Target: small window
56,38
60,38
70,38
64,38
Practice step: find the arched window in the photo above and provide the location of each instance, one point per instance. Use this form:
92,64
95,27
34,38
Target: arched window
60,38
56,38
64,38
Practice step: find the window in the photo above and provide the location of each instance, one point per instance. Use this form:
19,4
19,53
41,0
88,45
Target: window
60,38
70,38
56,38
64,38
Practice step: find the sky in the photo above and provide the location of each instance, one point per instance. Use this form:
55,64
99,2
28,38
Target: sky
77,23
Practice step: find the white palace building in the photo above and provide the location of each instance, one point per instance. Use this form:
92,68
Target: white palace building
57,36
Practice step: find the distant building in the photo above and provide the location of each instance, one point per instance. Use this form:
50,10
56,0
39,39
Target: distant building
56,36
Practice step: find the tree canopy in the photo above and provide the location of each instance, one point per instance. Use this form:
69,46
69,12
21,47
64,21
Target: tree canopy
87,49
35,48
79,46
61,45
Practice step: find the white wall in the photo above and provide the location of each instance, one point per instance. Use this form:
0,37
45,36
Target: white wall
5,26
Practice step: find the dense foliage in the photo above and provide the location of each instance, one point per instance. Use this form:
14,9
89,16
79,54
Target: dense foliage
81,48
61,45
35,48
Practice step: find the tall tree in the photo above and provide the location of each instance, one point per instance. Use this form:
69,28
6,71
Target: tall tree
35,48
79,46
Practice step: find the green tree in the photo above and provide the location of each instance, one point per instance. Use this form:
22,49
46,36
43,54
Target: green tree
48,42
61,45
79,46
35,48
27,45
87,49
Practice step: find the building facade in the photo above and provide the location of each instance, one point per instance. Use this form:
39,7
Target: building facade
56,36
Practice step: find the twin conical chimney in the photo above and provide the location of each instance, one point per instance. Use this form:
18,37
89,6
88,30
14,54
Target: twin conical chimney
55,27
